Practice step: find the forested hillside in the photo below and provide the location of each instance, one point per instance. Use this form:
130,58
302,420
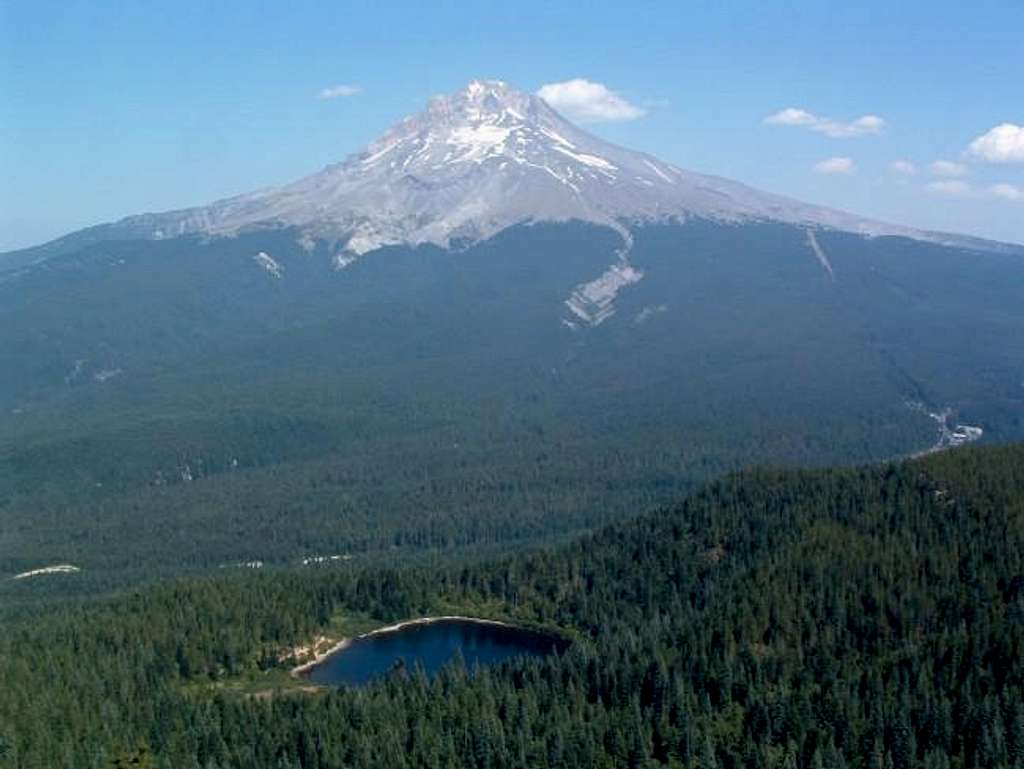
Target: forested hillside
867,617
170,407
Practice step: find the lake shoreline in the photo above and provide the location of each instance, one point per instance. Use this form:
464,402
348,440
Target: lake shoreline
300,671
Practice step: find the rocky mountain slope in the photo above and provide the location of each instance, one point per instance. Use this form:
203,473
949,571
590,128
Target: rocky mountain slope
477,161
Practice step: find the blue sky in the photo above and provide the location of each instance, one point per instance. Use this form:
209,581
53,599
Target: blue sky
112,108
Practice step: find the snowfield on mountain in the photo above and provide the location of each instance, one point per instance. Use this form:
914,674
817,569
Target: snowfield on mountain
483,159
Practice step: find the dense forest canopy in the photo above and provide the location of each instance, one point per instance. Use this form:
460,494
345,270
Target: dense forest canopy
168,407
869,617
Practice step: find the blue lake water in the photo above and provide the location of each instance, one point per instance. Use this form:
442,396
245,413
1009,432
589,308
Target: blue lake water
430,645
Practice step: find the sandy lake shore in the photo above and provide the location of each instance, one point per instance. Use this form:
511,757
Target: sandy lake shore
344,642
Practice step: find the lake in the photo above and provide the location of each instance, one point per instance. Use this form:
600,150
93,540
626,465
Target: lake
430,645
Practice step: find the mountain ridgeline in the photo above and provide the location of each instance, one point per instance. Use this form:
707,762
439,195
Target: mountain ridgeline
488,327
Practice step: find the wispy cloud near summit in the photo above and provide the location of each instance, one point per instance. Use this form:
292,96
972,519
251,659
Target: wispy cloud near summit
838,165
1003,144
588,102
948,168
903,168
339,91
866,125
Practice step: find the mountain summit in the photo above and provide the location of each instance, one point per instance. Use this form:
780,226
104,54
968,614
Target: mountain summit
584,332
482,159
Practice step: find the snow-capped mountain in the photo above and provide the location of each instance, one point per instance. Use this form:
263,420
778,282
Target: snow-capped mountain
577,314
478,161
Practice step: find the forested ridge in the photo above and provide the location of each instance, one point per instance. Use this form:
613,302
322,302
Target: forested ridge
169,407
868,617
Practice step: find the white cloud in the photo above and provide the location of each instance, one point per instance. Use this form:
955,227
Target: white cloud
953,189
588,102
1007,191
903,167
792,116
835,166
948,168
1003,144
339,91
956,188
866,125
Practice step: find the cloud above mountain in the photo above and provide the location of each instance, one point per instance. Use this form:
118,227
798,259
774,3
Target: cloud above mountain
838,165
948,168
903,167
339,91
957,188
1003,144
587,102
953,188
866,125
1007,191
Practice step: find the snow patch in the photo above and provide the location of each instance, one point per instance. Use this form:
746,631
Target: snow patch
659,172
594,302
317,559
588,160
557,137
60,568
242,565
267,262
342,260
377,154
362,241
478,142
812,241
557,175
